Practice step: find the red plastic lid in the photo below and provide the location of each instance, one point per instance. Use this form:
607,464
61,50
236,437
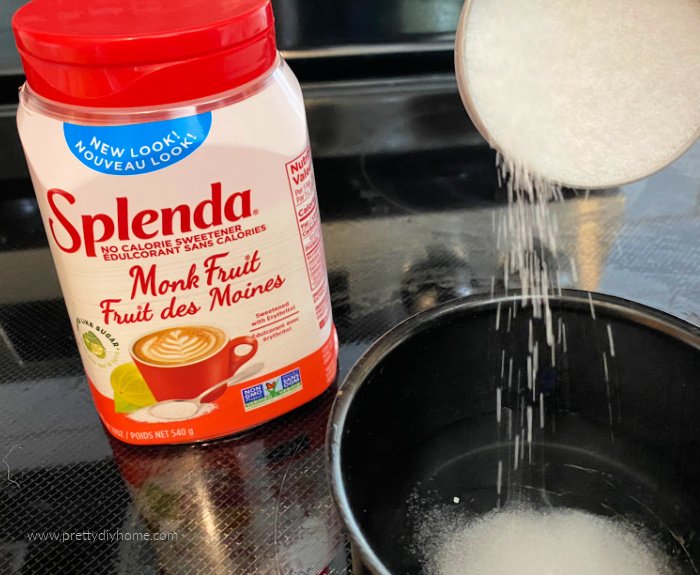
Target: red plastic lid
128,53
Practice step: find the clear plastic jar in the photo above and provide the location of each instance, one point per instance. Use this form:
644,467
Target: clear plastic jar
168,149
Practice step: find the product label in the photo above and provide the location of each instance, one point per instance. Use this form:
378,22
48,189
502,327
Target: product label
196,286
303,188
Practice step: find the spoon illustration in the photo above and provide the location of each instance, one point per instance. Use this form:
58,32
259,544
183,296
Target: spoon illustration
178,409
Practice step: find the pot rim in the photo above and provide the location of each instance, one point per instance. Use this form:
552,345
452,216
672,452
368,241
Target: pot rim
655,319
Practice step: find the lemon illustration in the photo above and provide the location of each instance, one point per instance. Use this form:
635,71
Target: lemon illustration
131,391
94,345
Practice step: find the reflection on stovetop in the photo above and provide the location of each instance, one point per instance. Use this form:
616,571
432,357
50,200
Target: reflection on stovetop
253,504
410,207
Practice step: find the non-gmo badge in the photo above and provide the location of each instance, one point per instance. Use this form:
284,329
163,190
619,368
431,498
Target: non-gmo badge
132,149
272,390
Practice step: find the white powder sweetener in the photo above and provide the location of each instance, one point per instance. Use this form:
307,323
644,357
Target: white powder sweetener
558,542
589,93
172,411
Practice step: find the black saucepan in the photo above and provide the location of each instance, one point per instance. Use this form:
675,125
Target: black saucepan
416,425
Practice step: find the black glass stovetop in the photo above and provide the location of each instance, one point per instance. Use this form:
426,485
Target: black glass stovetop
408,197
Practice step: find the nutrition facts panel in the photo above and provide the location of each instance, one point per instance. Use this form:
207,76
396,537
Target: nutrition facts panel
303,188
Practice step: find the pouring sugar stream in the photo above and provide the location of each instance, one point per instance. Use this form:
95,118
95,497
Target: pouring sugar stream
589,94
561,480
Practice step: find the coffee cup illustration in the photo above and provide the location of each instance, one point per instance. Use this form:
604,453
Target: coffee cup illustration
184,362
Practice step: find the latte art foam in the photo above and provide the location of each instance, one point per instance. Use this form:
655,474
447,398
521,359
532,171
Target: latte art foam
181,345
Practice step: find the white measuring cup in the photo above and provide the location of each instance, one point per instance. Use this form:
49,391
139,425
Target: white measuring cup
625,105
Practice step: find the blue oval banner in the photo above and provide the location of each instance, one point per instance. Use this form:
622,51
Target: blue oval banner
132,149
